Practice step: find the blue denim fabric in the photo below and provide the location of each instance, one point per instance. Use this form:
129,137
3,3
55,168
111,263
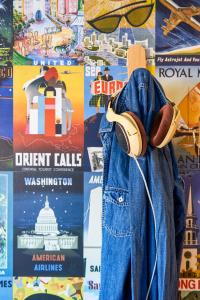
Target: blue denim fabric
128,232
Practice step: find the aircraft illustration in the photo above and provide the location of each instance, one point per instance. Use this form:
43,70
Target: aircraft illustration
180,15
67,72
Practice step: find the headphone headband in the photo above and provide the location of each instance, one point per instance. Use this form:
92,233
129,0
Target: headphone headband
118,92
130,131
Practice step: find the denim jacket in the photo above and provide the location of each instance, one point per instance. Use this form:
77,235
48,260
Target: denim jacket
128,229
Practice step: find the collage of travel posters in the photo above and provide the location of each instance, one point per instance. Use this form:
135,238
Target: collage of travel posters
60,63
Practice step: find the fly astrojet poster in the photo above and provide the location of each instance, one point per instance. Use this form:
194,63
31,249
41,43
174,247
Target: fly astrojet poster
47,32
48,118
48,218
178,32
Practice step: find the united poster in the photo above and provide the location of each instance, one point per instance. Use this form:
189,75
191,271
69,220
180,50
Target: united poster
48,224
48,32
48,118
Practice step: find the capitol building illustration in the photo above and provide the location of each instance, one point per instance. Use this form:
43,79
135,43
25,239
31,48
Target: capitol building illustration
47,235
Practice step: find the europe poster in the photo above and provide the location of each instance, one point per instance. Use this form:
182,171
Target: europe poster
48,224
100,84
48,118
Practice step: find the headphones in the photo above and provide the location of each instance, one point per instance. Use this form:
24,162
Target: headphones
130,131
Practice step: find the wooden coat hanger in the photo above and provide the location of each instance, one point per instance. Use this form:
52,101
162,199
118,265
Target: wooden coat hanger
136,58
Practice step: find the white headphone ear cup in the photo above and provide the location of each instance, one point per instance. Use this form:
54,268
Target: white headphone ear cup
130,132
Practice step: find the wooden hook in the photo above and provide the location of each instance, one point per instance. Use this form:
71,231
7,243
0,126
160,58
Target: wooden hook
136,58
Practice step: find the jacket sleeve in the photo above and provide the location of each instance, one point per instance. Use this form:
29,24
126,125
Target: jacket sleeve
179,210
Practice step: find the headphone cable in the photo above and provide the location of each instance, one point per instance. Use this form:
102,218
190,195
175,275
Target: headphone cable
149,196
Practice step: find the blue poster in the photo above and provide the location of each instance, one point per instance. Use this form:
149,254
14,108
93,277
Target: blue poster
48,218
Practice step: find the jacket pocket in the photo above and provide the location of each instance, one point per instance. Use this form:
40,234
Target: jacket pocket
116,212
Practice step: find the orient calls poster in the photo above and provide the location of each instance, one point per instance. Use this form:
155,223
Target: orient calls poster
48,118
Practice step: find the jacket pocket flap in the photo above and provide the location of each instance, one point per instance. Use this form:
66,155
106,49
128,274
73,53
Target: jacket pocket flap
116,196
116,212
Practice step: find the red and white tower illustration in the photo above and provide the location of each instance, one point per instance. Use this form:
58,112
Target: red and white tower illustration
191,244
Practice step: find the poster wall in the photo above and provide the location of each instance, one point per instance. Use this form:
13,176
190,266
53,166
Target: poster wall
60,63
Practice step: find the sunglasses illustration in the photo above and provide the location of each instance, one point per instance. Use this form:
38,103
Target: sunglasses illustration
136,17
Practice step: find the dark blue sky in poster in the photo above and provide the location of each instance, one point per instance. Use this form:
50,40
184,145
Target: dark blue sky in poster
6,108
65,209
182,36
66,201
